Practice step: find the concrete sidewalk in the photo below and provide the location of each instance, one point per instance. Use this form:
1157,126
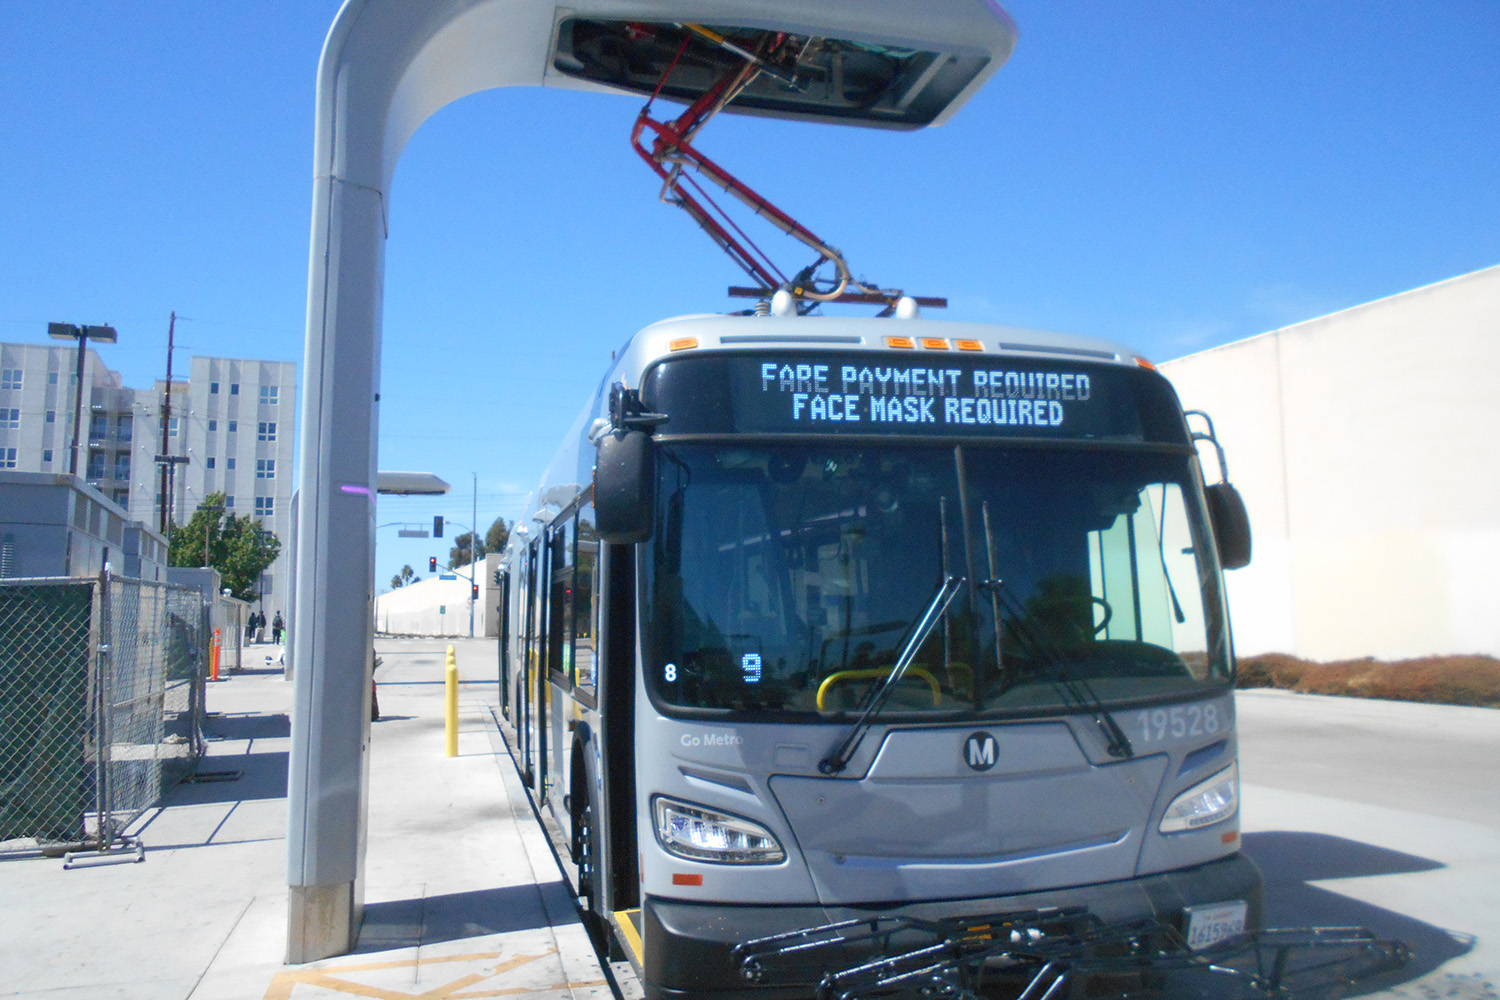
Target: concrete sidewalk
463,894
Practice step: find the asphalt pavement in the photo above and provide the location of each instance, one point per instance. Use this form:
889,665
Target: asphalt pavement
1384,815
1377,814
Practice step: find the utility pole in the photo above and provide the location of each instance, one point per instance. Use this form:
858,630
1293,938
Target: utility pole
208,526
163,457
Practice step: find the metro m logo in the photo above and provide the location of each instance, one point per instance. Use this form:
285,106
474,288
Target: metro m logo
981,751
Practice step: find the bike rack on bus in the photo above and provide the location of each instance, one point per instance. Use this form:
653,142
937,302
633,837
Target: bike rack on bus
1048,953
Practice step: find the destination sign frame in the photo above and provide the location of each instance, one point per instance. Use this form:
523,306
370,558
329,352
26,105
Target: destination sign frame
801,392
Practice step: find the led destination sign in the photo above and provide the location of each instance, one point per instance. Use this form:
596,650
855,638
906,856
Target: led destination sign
866,393
819,392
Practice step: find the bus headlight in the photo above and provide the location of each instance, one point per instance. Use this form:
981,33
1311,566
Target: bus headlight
1207,802
700,834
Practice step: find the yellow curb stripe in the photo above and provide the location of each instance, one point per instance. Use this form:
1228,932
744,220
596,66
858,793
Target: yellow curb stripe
624,921
328,978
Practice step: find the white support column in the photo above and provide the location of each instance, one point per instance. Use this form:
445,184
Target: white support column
387,66
336,566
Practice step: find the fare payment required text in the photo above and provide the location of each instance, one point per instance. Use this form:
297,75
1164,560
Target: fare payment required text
849,393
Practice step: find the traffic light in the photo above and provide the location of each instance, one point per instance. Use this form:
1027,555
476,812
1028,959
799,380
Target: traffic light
476,592
437,526
432,564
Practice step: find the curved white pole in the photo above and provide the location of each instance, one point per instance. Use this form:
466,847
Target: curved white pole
387,66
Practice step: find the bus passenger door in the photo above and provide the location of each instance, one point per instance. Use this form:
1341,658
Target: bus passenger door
559,617
538,666
528,665
614,643
503,607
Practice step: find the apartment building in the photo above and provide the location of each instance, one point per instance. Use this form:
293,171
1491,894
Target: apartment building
232,429
239,429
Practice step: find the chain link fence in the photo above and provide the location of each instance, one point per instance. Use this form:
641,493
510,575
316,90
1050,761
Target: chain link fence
101,705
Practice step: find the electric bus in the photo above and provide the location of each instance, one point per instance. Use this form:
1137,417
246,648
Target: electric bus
819,618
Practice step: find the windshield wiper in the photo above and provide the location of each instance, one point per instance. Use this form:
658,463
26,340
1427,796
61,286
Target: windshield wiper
992,584
1075,690
1161,550
836,761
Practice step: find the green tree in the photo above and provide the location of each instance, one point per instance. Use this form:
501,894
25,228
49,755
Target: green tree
240,548
494,541
401,579
497,536
459,554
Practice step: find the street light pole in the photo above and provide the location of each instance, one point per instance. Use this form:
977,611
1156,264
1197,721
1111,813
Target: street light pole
473,558
83,334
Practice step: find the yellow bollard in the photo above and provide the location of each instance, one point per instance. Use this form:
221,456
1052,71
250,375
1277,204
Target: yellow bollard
450,688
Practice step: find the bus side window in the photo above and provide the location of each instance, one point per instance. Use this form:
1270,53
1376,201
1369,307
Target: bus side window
584,617
559,604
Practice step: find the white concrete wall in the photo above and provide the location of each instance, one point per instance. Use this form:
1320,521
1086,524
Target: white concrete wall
1367,447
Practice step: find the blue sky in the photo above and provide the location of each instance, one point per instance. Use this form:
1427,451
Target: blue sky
1174,175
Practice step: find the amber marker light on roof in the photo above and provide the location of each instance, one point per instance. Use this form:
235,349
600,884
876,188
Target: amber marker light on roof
968,345
1145,364
906,343
683,344
935,343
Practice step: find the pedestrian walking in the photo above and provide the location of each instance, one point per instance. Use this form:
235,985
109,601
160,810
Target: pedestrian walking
276,626
374,699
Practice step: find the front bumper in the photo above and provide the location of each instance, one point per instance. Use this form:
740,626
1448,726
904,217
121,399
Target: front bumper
689,946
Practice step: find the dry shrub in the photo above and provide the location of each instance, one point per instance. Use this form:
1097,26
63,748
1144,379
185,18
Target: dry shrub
1273,670
1443,680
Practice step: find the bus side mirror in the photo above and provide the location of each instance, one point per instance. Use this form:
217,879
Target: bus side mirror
624,487
1231,524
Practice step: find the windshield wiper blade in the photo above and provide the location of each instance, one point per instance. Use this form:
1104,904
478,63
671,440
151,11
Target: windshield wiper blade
1076,690
992,585
836,761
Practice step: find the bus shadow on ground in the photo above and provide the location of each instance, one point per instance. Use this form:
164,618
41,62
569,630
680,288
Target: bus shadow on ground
455,916
1291,861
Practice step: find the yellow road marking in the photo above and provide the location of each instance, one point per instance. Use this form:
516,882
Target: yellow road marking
329,977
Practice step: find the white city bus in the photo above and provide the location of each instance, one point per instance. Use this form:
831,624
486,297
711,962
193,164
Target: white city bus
816,618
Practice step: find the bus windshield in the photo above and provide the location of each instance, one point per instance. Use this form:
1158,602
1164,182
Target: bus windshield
789,578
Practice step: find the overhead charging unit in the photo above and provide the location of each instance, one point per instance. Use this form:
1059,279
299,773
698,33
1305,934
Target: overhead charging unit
867,79
387,66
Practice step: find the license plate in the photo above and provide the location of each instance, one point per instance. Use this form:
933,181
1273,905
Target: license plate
1208,925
